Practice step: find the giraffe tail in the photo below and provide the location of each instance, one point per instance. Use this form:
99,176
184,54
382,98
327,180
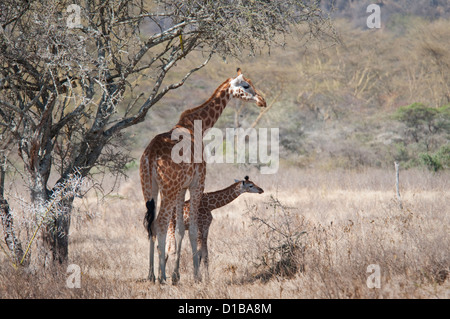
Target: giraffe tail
149,217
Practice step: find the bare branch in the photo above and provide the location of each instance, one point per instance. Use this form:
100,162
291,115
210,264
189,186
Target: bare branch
265,110
154,98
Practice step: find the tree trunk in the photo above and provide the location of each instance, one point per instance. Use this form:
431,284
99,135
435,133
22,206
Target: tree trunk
53,223
11,239
55,237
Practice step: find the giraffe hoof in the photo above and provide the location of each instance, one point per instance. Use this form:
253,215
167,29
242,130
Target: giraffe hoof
197,279
175,278
151,278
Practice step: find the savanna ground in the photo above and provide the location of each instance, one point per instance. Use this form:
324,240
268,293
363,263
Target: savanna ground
335,224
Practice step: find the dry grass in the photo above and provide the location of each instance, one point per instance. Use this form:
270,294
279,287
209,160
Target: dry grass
351,220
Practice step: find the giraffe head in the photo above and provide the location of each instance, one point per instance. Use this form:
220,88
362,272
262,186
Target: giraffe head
247,186
242,88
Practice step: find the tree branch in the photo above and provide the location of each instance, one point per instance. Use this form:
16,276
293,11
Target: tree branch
154,97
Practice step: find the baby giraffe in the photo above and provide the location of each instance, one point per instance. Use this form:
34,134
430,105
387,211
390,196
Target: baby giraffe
209,202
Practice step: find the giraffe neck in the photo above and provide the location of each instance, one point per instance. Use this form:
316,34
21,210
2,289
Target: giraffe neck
223,197
209,112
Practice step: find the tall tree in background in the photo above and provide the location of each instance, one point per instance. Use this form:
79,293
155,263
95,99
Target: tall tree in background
65,67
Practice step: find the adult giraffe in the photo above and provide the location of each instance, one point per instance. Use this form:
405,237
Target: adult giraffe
159,172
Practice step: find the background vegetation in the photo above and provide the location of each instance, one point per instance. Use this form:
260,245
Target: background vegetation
349,105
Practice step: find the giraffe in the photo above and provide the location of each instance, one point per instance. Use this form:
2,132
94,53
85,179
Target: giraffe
159,173
209,202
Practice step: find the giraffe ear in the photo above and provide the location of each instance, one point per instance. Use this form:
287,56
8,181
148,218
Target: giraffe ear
236,180
239,71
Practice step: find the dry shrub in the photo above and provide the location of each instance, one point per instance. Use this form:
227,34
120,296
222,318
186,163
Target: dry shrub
409,248
280,237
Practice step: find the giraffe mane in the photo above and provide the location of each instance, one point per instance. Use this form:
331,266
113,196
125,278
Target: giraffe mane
195,109
222,190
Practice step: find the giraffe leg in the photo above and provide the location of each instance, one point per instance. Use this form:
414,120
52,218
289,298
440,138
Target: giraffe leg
171,239
196,195
151,270
179,234
148,222
150,192
204,250
200,241
161,253
152,238
162,224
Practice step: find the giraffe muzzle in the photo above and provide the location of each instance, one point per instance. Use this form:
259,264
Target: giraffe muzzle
260,101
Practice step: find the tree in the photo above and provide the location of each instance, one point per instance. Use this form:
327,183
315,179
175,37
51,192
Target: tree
67,68
423,123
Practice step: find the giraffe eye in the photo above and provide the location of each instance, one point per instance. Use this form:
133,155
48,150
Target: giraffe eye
246,86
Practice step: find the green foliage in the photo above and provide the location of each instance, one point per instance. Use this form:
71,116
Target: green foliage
131,166
415,114
431,162
444,155
437,161
419,117
443,118
429,128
